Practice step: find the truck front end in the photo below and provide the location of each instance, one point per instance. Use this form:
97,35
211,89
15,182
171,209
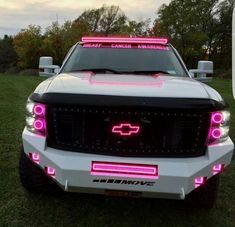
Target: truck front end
137,125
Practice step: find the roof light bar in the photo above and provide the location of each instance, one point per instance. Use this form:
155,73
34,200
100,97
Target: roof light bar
162,41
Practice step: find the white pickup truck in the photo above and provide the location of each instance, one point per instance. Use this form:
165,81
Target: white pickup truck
123,116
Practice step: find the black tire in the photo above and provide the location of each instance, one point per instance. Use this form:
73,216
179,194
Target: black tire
205,196
33,178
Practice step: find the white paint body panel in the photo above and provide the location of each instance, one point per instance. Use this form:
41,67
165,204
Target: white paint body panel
128,85
176,175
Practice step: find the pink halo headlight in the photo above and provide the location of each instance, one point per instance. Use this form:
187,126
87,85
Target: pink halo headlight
216,133
217,118
39,110
36,117
39,125
219,127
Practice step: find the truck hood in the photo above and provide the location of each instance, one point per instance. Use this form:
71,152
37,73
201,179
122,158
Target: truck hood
127,85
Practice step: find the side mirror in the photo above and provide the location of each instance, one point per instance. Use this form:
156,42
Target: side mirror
233,48
204,68
46,67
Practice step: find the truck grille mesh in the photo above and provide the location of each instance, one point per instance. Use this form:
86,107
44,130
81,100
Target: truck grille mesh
164,133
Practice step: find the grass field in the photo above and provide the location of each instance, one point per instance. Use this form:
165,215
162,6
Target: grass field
20,208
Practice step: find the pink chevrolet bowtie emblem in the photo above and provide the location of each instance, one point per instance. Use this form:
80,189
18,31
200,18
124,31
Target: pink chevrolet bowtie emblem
126,129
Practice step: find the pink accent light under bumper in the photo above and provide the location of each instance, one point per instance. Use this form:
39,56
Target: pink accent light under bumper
50,171
124,170
199,181
218,168
34,157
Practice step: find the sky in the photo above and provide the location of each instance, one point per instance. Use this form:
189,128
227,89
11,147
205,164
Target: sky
18,14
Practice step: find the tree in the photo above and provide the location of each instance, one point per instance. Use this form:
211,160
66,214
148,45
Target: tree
106,20
28,46
221,51
8,56
187,22
59,39
198,29
53,43
137,28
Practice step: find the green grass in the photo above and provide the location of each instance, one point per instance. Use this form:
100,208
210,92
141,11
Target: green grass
20,208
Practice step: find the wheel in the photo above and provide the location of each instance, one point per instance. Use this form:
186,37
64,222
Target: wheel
34,179
205,196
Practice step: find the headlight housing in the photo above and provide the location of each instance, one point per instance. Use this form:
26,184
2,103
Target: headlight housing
36,117
219,127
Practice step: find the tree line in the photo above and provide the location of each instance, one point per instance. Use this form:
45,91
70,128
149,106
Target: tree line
200,30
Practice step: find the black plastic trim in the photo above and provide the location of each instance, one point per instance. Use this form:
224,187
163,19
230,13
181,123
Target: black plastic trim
127,101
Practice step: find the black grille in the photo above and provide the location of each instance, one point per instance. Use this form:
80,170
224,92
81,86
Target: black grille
163,133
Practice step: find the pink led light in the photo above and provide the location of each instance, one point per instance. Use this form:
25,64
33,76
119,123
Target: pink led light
217,118
113,40
127,46
126,129
50,171
39,110
218,168
199,181
216,133
124,170
39,125
35,157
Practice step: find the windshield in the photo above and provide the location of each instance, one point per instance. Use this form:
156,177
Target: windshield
120,60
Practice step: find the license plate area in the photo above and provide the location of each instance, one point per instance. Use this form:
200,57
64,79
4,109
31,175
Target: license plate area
116,193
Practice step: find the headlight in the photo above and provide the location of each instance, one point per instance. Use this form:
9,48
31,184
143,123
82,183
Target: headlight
219,127
36,117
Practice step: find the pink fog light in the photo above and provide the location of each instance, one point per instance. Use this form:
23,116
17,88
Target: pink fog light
124,170
39,125
35,157
50,171
199,181
216,133
39,110
126,129
217,118
218,168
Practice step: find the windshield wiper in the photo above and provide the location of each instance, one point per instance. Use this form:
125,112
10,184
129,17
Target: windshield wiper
149,72
98,70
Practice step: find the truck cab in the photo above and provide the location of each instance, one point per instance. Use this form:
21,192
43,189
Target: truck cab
124,116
